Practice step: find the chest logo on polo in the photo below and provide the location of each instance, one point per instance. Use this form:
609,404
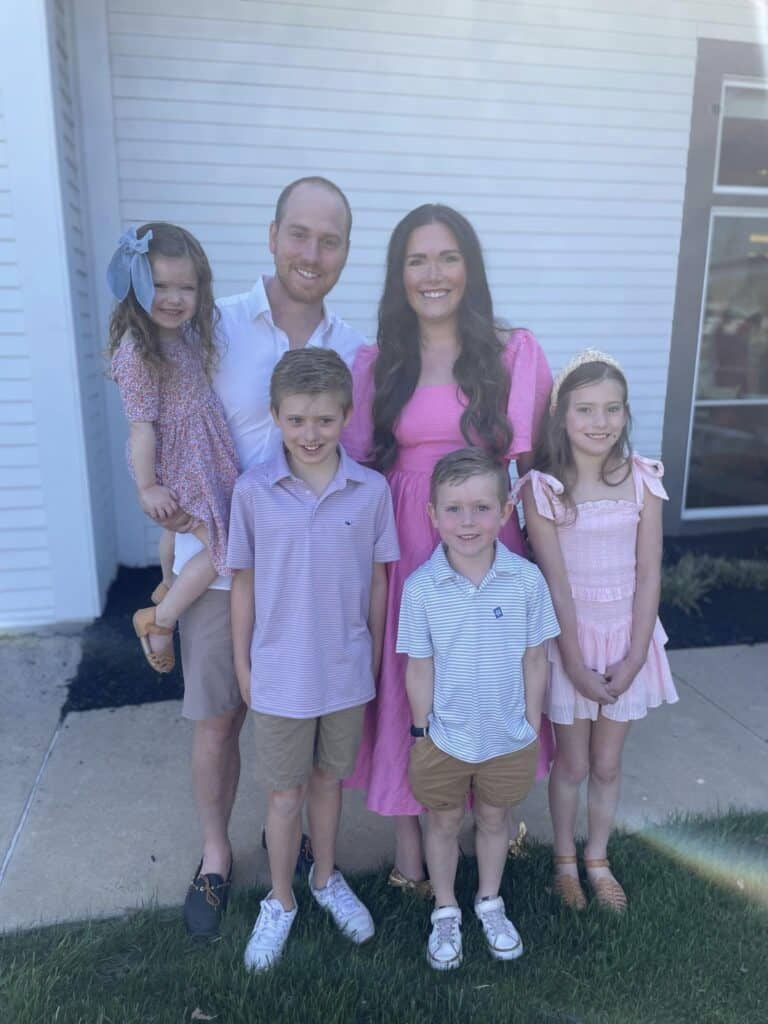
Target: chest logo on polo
498,612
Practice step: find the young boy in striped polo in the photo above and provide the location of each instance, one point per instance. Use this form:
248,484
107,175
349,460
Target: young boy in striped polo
310,533
473,621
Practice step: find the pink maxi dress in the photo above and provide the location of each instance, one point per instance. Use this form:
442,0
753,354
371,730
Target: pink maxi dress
599,551
194,453
427,428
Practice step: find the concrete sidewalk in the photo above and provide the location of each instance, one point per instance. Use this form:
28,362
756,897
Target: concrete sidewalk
96,812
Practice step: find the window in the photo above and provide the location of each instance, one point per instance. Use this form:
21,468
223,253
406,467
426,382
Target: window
716,421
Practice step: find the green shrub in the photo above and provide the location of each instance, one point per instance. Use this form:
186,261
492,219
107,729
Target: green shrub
686,584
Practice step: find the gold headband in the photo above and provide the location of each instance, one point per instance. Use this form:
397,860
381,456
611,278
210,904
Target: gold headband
589,355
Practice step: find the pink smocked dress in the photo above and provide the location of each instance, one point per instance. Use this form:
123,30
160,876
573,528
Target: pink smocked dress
599,551
427,428
194,453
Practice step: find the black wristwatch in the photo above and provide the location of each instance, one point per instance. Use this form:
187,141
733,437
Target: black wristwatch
419,730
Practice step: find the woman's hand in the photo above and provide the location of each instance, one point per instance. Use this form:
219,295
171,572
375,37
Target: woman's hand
158,502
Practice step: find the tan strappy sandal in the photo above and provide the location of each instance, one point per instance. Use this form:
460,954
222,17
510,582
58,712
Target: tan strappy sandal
608,892
144,624
566,887
421,888
158,594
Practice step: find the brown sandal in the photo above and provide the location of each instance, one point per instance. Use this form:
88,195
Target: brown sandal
608,892
144,624
422,888
158,593
568,888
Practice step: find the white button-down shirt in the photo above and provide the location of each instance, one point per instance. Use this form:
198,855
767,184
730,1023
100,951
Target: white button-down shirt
251,346
477,637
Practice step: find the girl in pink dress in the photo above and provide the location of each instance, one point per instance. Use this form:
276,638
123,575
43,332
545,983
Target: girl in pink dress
180,451
443,375
593,512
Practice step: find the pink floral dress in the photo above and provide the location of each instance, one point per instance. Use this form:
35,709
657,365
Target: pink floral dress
598,549
427,428
195,456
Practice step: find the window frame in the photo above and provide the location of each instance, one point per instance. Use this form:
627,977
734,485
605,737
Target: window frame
719,64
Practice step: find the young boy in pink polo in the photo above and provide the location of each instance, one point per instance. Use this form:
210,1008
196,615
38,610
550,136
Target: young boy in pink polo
310,533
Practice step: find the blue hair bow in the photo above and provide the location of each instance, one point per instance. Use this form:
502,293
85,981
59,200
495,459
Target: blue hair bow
130,266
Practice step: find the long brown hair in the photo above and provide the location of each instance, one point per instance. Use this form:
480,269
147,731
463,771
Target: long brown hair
553,453
128,316
479,369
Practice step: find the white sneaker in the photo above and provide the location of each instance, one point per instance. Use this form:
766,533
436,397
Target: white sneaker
444,944
345,908
269,935
504,941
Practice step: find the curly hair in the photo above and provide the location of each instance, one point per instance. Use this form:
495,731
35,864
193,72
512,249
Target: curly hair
482,379
170,241
553,453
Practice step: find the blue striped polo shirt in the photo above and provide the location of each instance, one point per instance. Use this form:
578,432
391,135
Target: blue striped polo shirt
477,637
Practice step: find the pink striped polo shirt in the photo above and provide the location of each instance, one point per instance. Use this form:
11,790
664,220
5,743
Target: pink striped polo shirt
313,561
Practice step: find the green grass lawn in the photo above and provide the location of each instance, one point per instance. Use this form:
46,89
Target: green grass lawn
692,948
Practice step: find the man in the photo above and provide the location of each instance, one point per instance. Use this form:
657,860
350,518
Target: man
309,240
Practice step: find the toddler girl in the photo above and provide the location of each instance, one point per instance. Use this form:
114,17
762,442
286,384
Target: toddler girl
180,452
593,511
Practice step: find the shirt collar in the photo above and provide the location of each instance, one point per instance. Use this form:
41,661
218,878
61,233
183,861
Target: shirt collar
504,564
258,305
277,469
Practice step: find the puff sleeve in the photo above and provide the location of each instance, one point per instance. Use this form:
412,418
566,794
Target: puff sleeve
357,436
138,384
530,387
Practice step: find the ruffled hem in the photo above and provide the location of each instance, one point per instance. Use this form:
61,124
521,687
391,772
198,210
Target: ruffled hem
652,686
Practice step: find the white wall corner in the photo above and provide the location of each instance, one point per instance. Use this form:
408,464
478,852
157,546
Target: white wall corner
36,198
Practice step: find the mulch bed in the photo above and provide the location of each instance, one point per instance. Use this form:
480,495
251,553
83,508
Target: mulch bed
113,671
729,615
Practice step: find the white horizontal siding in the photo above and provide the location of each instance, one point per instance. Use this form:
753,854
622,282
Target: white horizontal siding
560,129
88,341
26,579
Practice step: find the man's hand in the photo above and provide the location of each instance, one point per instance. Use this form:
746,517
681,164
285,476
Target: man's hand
179,522
620,676
593,686
158,502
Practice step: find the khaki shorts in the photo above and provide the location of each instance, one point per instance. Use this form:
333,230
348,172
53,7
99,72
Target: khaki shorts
288,748
442,782
210,684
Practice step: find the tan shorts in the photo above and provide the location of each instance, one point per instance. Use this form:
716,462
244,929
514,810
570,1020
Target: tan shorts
288,748
210,684
442,782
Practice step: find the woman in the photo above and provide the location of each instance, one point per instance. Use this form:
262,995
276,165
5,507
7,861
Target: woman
442,375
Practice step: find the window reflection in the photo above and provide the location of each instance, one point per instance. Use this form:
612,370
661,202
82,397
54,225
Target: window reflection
733,355
729,457
743,157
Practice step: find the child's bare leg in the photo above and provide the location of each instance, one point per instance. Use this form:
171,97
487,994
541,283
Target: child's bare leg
491,842
442,849
409,851
283,838
165,550
193,581
324,811
570,769
605,752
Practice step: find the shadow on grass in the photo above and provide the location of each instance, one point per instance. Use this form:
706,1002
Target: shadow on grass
690,950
